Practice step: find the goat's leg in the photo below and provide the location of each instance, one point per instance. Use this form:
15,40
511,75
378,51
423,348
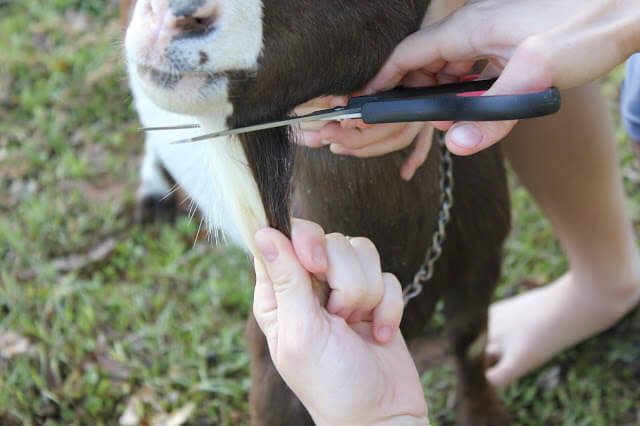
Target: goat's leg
466,310
272,403
154,200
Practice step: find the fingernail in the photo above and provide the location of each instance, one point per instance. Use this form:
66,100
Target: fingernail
268,250
339,149
320,258
465,136
326,142
383,334
406,175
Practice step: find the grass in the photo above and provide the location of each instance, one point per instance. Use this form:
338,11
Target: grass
122,317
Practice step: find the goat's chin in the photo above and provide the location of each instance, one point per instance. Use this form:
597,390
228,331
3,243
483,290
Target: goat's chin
195,95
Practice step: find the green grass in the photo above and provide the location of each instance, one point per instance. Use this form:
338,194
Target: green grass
158,319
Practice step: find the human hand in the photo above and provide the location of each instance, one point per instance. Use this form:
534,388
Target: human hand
355,137
347,363
536,44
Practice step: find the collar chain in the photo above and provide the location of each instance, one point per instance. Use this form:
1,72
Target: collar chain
425,273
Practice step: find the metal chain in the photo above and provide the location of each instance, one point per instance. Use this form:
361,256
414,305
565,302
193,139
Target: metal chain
425,273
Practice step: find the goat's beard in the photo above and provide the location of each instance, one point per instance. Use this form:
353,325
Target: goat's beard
270,156
253,173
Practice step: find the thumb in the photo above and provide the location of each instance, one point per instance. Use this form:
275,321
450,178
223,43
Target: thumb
528,70
429,50
420,51
295,303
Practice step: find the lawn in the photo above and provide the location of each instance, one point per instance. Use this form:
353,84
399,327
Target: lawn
104,320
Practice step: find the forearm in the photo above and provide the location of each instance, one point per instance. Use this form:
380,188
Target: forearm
629,26
592,39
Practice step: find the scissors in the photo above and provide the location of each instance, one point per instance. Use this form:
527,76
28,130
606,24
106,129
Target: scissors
448,102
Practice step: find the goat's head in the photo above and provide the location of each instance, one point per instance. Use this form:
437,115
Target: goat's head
237,62
267,56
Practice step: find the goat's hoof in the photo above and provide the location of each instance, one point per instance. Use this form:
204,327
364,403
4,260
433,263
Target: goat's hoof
152,208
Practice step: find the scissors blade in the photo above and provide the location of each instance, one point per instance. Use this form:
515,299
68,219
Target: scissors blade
339,113
180,127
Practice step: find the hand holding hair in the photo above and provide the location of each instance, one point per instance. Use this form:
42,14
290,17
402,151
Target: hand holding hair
347,362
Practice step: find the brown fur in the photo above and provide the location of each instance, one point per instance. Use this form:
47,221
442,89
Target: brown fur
335,47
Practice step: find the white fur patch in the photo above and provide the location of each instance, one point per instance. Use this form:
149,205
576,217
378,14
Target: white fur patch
213,173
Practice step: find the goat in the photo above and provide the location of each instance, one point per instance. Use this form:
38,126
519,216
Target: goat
231,63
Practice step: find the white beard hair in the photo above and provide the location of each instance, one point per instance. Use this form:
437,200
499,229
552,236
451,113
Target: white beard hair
213,173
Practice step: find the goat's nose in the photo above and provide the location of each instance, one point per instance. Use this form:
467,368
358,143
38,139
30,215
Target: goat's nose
184,18
196,25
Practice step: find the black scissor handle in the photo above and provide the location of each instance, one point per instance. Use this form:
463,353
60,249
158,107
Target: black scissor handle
463,108
418,92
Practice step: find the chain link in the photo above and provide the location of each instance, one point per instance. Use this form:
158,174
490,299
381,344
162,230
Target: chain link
425,273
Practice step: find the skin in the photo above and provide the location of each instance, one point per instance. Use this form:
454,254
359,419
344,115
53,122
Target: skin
531,45
575,179
536,44
567,161
348,363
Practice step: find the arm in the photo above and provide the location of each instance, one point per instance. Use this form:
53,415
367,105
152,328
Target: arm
533,44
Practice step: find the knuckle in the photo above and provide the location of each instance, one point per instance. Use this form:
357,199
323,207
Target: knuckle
355,294
366,247
281,280
335,237
313,229
539,48
375,294
331,131
393,288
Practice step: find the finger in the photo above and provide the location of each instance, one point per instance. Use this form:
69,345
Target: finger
388,314
528,70
315,104
418,155
441,125
296,304
503,372
264,302
350,123
310,245
492,354
345,276
425,50
338,101
311,138
356,123
531,60
369,260
419,78
355,138
402,139
452,72
466,138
